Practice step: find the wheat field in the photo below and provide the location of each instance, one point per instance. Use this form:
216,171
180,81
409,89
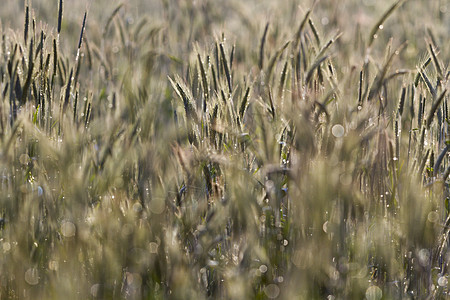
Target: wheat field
182,149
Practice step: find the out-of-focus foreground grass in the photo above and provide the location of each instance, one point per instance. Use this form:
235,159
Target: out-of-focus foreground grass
235,149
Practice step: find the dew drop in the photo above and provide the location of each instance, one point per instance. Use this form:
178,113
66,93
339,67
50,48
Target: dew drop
433,217
153,247
374,293
95,289
263,268
157,206
68,229
424,257
442,281
272,291
213,263
32,276
325,227
53,265
338,130
137,207
40,191
6,247
24,159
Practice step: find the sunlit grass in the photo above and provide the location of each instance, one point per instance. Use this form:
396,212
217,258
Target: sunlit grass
192,150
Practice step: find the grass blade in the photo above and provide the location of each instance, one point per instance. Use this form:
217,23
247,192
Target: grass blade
434,108
244,102
261,48
274,59
440,159
379,79
225,66
360,88
60,15
314,30
184,96
67,94
301,27
315,65
417,78
111,17
428,83
437,65
27,23
402,102
380,22
83,26
329,43
204,81
29,75
282,80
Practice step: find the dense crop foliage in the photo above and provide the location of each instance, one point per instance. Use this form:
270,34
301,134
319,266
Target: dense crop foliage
236,150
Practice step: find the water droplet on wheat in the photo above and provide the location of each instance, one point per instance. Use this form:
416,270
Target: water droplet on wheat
338,130
442,281
263,268
272,291
68,229
40,191
6,247
374,293
32,276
